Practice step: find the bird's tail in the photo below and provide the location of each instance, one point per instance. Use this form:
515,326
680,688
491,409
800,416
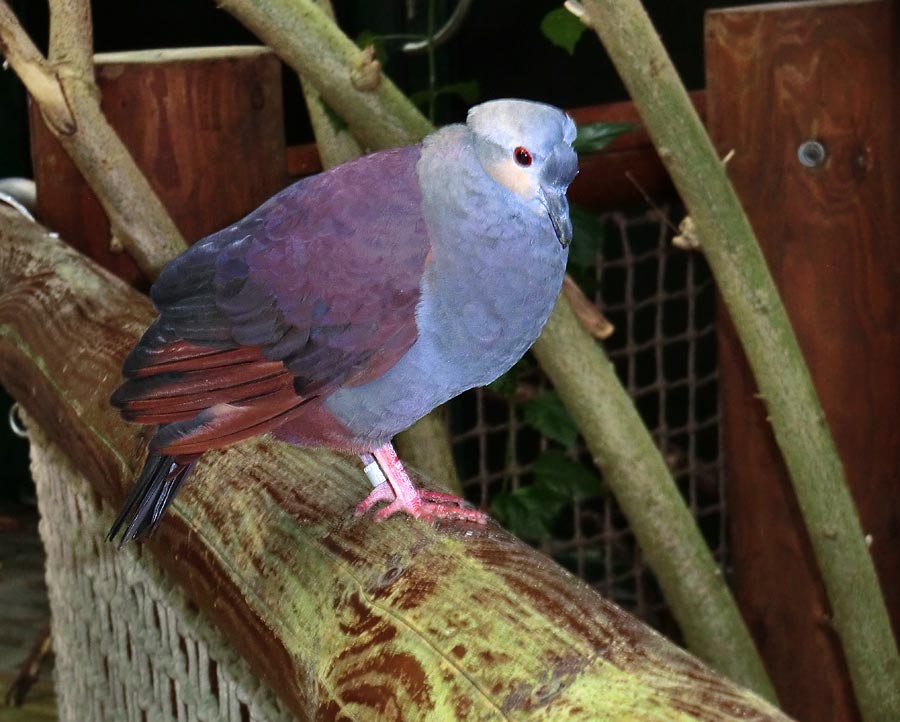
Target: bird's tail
151,495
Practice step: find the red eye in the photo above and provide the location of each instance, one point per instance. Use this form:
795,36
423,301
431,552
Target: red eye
522,156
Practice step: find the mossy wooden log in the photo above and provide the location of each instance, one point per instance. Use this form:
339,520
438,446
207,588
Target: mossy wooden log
343,618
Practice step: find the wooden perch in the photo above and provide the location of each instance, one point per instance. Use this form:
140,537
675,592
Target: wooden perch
340,616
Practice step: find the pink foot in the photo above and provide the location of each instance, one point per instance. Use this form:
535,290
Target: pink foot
382,492
402,495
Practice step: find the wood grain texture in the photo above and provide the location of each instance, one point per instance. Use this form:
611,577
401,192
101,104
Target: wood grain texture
344,619
204,124
777,76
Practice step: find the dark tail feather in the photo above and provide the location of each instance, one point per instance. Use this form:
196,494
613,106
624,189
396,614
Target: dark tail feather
151,495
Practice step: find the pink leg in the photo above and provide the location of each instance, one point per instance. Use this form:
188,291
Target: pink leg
402,495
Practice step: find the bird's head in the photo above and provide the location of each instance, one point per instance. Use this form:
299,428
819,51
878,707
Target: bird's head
527,148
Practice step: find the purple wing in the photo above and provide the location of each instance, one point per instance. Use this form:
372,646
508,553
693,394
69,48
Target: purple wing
314,290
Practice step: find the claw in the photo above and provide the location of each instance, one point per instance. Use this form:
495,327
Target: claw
402,496
382,492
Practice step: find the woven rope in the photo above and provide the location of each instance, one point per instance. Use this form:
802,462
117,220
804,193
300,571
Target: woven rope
129,646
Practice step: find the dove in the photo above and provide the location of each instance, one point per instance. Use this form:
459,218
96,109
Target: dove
355,301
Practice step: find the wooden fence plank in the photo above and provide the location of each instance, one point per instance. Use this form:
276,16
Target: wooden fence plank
779,75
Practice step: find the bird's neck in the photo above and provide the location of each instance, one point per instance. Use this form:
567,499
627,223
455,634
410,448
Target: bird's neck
495,268
472,219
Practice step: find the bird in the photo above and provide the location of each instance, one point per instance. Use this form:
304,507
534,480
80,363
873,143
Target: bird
352,303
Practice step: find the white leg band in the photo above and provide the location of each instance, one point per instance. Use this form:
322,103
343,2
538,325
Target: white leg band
375,474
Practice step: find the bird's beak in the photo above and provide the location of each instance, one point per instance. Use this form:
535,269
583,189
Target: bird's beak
557,206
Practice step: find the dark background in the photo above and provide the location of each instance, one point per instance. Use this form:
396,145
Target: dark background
500,46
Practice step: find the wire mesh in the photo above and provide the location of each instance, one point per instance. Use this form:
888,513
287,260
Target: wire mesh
661,301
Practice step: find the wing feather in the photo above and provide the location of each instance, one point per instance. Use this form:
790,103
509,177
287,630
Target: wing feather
316,289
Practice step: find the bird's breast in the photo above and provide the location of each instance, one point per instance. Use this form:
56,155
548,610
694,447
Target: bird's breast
495,269
475,320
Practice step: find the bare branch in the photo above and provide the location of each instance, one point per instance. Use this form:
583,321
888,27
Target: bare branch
35,72
303,35
68,100
72,37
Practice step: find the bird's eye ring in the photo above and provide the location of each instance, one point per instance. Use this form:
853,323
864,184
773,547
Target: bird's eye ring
522,156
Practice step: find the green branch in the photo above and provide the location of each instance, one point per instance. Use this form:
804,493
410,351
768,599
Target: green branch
860,617
643,486
426,445
348,79
314,47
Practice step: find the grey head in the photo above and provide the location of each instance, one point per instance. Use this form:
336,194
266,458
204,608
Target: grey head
527,148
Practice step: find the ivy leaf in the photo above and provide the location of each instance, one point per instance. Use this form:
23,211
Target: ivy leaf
571,480
467,90
563,29
587,237
506,383
592,137
547,414
529,511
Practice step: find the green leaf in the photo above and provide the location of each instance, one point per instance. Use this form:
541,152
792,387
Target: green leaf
554,470
547,414
596,136
562,29
529,511
506,384
588,233
467,90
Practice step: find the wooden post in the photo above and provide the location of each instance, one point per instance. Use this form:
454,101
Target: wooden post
204,124
778,77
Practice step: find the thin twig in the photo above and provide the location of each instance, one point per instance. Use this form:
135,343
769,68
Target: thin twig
335,144
592,319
